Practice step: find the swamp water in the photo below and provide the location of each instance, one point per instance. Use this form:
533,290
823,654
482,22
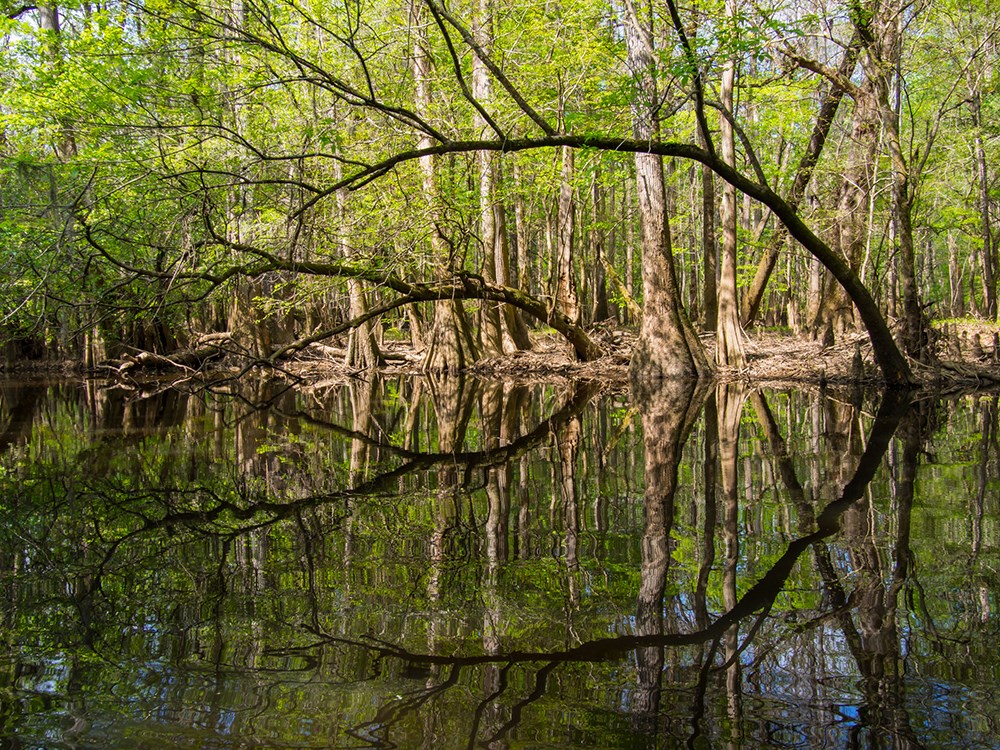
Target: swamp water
436,564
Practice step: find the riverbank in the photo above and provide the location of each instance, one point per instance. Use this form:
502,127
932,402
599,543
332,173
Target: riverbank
967,354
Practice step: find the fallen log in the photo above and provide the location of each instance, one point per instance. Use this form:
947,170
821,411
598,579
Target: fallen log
206,348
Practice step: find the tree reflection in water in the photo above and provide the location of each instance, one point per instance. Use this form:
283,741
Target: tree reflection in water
443,563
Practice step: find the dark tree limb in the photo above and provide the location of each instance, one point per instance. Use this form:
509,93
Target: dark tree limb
895,369
14,13
439,11
463,286
803,174
891,362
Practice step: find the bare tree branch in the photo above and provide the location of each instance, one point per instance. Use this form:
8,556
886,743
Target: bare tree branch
469,39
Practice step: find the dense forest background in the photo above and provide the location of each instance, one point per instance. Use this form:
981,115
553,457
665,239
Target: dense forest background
265,175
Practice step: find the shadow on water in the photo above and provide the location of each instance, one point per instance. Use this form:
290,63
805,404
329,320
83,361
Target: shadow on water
438,562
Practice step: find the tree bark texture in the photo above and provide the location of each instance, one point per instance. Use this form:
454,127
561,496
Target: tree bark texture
451,345
567,300
668,346
728,334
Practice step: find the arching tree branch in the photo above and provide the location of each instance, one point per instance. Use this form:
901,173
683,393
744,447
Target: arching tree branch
893,365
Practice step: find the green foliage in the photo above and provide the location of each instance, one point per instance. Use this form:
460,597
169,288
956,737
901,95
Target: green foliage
145,148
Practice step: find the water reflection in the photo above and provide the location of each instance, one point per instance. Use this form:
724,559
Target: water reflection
443,563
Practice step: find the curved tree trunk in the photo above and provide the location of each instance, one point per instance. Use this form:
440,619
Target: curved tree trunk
451,291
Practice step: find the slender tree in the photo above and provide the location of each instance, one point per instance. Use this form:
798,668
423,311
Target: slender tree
729,335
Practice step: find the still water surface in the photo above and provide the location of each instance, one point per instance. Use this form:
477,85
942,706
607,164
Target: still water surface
444,564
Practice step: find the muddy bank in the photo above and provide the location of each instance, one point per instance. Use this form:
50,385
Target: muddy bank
967,354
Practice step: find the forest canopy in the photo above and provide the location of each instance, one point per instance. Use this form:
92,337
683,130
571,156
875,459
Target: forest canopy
276,174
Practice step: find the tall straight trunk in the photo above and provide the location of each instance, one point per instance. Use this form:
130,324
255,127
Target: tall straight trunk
668,346
513,329
836,313
611,247
627,204
501,327
597,239
850,224
814,297
362,344
875,115
955,287
709,242
451,345
65,147
490,335
709,248
987,257
692,299
729,337
793,305
521,269
914,330
567,300
48,21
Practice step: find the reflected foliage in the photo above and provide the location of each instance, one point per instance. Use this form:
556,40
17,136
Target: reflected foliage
446,563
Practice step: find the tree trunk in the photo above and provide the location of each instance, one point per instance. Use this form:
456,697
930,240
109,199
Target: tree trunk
803,175
668,346
729,337
513,329
669,410
490,334
597,236
522,271
629,250
362,346
566,299
730,398
955,286
914,330
982,175
451,345
48,21
709,247
836,314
